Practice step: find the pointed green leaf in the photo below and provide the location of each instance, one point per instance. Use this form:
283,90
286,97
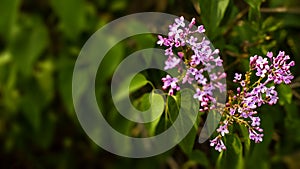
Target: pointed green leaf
232,157
246,140
137,82
212,13
188,106
29,43
71,14
8,13
254,11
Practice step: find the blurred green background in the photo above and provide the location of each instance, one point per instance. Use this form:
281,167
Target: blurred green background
39,44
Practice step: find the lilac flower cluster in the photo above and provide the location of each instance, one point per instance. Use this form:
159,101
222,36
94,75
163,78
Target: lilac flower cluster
194,57
240,107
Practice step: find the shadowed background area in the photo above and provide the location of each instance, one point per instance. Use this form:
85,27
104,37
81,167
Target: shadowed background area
40,42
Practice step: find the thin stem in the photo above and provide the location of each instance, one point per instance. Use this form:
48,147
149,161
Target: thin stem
235,21
166,112
295,85
281,10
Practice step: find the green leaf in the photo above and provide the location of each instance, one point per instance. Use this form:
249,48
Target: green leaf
137,82
292,123
122,125
8,13
110,62
210,127
292,110
254,11
170,114
64,80
254,3
220,161
10,95
212,13
285,94
118,5
32,104
246,140
188,142
291,21
259,157
232,157
46,133
29,43
157,106
271,24
45,78
196,157
188,106
71,14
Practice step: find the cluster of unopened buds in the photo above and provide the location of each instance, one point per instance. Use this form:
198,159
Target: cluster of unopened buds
197,63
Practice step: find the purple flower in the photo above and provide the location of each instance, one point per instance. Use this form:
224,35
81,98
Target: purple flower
281,69
193,22
253,61
201,29
214,141
247,113
199,76
261,66
204,95
170,82
270,55
243,83
278,71
187,78
218,143
220,146
213,76
180,21
169,52
196,59
237,76
261,62
163,41
223,130
232,111
180,54
218,61
196,56
192,41
220,86
192,70
256,137
171,62
271,93
255,121
199,94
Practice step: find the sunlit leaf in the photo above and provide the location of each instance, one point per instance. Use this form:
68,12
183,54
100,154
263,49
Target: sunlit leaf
212,13
29,43
157,106
137,82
